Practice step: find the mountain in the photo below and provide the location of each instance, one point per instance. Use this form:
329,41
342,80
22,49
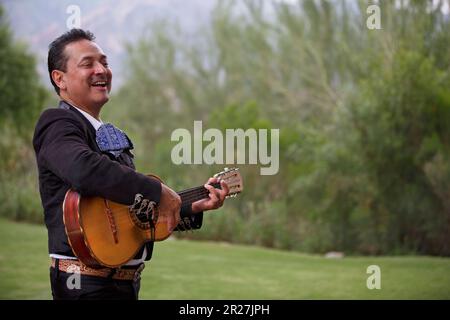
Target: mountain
114,23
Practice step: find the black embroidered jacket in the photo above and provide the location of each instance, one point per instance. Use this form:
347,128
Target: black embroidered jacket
67,157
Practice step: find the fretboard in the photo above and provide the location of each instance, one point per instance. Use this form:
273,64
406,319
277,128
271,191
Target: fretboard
191,195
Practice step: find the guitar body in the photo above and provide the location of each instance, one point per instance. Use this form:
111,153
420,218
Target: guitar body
103,233
99,241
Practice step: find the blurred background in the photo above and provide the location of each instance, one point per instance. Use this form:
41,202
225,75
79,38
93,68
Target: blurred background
364,115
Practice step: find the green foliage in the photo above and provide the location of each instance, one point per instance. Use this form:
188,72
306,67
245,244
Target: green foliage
403,105
363,117
22,95
22,98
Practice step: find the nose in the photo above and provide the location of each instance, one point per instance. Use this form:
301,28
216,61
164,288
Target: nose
99,68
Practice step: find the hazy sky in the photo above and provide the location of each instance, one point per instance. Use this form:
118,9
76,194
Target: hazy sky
114,22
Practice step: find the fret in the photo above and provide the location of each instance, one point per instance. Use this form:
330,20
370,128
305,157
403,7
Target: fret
191,195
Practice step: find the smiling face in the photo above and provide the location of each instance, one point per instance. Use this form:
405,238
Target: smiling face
87,80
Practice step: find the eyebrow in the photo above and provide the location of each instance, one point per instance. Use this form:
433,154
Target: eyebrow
102,57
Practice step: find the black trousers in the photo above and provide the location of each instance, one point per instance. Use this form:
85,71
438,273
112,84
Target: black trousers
72,286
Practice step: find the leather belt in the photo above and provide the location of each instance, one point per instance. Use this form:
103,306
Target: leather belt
75,266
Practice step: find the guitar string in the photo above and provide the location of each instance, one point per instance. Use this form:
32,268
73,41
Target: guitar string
195,195
119,215
192,195
189,195
122,214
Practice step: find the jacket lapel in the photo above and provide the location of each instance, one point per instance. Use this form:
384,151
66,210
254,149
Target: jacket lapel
89,129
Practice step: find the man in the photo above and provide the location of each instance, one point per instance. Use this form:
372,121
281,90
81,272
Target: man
73,150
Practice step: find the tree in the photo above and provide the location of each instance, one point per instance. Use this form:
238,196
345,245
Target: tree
363,117
22,98
20,88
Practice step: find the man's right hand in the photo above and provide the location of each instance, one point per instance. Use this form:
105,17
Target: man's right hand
169,207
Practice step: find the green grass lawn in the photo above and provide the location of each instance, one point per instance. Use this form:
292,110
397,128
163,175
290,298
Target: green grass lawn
183,269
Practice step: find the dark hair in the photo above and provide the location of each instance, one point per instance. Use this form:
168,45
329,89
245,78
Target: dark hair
57,60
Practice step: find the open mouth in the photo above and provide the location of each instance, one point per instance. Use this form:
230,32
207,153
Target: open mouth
99,84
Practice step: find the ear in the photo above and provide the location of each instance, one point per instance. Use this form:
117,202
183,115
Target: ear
59,78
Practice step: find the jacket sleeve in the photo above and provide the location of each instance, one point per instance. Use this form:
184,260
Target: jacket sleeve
189,220
65,151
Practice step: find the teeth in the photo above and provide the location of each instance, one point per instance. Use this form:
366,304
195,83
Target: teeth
99,83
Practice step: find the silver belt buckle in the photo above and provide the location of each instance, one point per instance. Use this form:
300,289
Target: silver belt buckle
137,273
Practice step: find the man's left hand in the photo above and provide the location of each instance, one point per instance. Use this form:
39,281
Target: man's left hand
216,196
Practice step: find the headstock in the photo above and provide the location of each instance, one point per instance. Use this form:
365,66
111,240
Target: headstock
233,179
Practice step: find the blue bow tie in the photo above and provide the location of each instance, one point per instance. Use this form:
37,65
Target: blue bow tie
113,140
